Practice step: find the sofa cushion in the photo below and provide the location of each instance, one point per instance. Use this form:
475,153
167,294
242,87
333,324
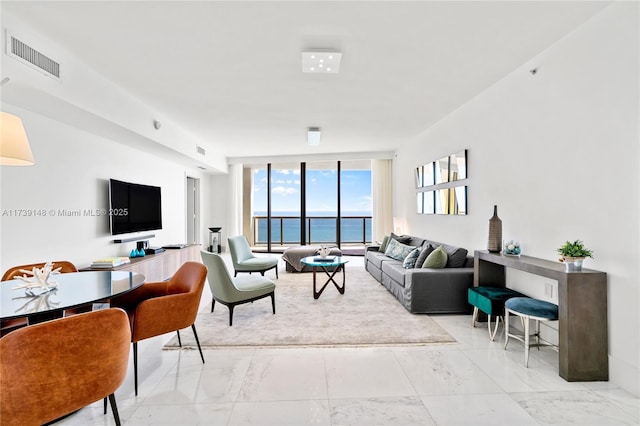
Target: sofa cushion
437,259
404,239
394,271
412,257
397,250
426,251
383,246
377,259
456,256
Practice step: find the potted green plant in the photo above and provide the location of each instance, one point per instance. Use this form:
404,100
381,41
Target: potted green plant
572,254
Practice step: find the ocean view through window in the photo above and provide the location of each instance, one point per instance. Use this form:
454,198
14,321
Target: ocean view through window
325,201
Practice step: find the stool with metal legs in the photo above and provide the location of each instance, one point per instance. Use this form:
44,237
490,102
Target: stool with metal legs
528,309
490,300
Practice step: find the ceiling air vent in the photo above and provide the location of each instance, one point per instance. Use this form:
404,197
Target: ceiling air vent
201,150
30,56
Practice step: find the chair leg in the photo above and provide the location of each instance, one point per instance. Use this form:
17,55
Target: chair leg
231,315
105,405
135,366
213,303
193,327
474,317
179,341
273,302
235,273
526,342
262,273
114,409
506,328
276,272
492,335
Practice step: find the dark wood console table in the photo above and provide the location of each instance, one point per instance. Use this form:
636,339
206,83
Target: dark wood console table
582,308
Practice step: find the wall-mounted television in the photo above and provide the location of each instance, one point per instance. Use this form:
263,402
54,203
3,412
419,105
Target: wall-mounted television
134,207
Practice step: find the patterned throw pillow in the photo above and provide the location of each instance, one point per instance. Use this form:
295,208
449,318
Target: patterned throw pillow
437,259
396,250
412,257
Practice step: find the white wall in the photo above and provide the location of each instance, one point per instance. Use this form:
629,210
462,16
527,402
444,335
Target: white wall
71,172
558,153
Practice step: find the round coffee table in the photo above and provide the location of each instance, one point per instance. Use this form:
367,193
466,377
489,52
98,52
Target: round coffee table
336,263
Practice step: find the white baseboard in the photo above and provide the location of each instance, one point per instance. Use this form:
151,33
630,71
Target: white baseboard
624,375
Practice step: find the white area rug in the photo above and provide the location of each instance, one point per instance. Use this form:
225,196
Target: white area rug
367,314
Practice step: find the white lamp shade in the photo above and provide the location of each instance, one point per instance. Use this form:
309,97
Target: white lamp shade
14,145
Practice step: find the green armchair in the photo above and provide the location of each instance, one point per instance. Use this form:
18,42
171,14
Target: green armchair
237,290
244,260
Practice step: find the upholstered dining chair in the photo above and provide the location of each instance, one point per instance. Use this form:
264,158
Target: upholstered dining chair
9,325
245,261
237,290
54,368
157,308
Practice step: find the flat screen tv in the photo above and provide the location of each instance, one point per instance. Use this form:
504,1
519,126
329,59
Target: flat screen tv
134,207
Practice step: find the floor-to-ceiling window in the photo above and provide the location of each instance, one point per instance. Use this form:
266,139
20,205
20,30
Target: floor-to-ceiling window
326,202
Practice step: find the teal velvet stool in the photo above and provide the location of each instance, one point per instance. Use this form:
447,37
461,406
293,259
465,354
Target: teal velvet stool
490,300
528,309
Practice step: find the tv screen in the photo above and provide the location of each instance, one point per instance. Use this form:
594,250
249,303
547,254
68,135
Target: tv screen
134,207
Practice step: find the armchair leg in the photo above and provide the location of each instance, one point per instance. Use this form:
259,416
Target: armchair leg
193,327
213,303
273,302
105,404
114,408
135,366
231,315
179,341
235,273
277,272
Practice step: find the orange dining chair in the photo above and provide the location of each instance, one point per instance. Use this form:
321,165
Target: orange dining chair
9,325
54,368
163,307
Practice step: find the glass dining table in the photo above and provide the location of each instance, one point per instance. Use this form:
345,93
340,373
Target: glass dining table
74,290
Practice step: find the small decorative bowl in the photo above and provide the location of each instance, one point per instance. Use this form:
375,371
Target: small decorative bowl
512,248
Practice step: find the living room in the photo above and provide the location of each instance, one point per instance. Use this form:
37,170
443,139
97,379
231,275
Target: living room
553,142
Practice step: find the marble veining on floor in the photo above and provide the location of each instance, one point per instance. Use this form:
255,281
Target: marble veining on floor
470,382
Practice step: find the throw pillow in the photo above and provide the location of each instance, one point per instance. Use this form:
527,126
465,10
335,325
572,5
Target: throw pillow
396,250
412,257
426,251
404,239
456,257
437,259
383,246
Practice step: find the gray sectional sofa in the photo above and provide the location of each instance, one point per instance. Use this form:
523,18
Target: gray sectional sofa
424,290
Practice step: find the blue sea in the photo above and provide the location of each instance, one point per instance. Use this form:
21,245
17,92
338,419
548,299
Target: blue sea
321,227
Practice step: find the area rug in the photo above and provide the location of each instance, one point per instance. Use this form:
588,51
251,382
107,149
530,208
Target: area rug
366,314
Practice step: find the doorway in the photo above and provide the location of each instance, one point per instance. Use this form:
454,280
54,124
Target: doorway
193,210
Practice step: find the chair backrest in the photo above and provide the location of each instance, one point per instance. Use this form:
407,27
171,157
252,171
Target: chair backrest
219,278
65,266
240,249
56,367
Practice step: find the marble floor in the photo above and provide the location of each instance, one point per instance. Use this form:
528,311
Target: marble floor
471,382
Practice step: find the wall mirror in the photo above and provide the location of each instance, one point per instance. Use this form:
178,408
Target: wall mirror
443,195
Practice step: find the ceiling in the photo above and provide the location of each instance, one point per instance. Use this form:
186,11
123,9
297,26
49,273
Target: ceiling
230,72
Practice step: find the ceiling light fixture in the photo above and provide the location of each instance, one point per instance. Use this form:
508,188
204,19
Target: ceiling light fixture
313,136
321,61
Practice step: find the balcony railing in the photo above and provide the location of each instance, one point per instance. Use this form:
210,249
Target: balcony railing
285,230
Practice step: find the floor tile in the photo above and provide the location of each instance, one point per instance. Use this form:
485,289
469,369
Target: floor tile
477,410
184,414
445,373
277,413
365,372
400,411
282,375
572,408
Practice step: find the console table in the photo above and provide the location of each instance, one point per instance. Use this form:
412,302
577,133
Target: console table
158,267
582,308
